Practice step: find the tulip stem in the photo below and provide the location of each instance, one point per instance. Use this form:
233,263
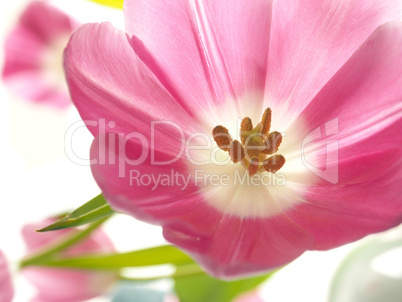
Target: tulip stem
182,271
48,252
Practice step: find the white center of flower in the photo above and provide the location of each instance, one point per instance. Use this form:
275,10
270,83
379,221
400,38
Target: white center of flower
246,177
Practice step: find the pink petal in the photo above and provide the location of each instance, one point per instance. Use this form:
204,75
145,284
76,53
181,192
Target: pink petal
46,21
66,284
28,48
189,221
249,297
311,40
108,81
364,99
6,286
212,51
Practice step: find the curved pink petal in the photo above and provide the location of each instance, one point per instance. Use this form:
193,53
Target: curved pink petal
46,21
188,220
362,102
212,51
65,285
108,81
33,55
6,286
312,39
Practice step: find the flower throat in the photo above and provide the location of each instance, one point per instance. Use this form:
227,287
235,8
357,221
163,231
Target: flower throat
257,148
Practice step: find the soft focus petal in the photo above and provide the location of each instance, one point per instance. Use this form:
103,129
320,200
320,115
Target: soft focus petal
67,285
33,55
108,81
6,286
360,109
213,51
371,273
249,297
312,39
246,297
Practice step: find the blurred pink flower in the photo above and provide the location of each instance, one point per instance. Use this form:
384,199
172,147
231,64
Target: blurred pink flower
329,70
33,67
251,296
6,286
67,285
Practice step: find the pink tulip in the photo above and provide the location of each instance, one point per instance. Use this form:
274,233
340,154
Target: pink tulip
6,287
330,71
33,66
62,285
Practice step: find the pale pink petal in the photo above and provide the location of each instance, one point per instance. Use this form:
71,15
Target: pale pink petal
312,39
204,52
189,221
66,285
108,81
363,104
249,297
33,58
6,286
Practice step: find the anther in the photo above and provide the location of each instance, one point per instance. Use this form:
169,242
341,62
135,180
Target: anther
236,151
266,121
254,165
272,143
274,163
245,126
222,137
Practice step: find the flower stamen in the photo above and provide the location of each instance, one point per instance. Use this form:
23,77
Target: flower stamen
256,144
222,137
236,151
266,121
274,163
272,143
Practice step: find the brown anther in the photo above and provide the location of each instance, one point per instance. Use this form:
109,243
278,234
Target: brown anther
236,151
254,165
266,121
246,125
222,137
274,163
272,143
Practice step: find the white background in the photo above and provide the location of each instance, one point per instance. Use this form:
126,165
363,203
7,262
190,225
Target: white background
38,180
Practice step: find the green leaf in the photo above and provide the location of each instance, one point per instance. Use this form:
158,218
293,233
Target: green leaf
93,210
201,288
153,256
112,3
66,241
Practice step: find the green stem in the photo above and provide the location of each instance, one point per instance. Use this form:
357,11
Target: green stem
42,256
184,271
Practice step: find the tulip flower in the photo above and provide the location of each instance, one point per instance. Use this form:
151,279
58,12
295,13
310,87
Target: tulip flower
33,67
250,133
6,287
59,285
